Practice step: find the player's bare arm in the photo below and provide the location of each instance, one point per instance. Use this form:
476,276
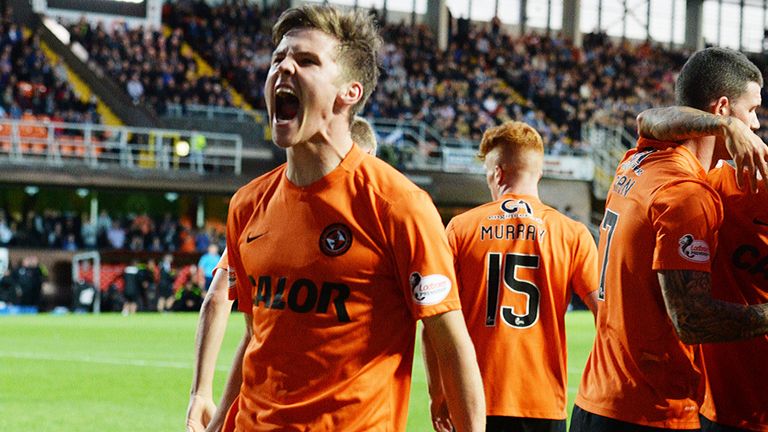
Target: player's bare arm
458,368
438,406
234,380
679,123
211,326
698,318
592,300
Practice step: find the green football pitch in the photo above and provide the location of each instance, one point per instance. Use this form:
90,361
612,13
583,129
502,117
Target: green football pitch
114,373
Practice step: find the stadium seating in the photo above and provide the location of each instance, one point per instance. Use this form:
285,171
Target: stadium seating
485,77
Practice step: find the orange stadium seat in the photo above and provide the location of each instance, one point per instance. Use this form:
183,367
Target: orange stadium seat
66,146
6,136
33,137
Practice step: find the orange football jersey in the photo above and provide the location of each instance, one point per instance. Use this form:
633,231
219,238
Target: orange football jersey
660,215
335,275
223,262
736,379
517,263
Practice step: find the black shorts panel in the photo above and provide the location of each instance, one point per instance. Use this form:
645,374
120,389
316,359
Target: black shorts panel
585,421
522,424
708,425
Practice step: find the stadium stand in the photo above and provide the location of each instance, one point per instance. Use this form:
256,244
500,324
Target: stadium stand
33,87
482,79
150,66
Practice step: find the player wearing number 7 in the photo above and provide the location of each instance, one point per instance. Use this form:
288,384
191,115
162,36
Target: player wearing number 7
657,241
518,261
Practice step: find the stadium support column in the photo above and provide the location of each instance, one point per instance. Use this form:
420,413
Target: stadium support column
523,17
154,13
437,20
572,20
694,18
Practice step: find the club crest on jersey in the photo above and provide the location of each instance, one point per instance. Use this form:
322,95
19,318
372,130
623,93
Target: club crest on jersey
516,207
429,289
335,240
693,249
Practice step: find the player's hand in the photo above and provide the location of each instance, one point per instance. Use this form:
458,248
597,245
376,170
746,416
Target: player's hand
438,408
199,413
749,153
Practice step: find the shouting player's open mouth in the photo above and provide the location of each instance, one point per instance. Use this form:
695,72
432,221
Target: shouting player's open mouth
287,105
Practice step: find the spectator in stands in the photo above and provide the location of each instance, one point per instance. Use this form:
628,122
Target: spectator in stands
197,143
10,293
6,233
56,236
165,286
31,234
88,232
155,245
207,264
112,300
148,281
202,240
189,296
135,89
137,243
69,243
103,223
116,235
30,276
83,289
132,288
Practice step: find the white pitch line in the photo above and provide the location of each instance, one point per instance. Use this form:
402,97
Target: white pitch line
103,360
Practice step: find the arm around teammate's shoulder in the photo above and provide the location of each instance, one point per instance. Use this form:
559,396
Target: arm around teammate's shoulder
679,123
459,372
699,318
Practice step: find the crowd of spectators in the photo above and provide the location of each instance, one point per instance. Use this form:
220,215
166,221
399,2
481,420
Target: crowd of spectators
233,37
141,285
33,87
152,67
147,283
485,77
132,232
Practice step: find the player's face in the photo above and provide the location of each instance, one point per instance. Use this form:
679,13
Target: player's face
745,106
302,87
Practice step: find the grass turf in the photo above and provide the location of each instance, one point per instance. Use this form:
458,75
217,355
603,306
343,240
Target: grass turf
113,373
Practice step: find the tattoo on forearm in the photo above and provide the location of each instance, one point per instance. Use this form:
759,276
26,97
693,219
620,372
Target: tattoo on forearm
679,123
699,318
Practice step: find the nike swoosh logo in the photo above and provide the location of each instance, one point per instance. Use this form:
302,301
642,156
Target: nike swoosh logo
759,222
250,239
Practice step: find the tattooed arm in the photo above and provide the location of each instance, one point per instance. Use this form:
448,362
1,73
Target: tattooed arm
698,318
678,123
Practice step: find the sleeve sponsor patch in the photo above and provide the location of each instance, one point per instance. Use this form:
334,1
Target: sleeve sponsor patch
430,289
694,250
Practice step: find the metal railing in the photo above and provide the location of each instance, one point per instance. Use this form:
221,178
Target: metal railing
101,146
608,144
409,145
212,112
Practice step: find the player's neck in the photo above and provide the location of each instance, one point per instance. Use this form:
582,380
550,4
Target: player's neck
312,160
704,150
519,187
